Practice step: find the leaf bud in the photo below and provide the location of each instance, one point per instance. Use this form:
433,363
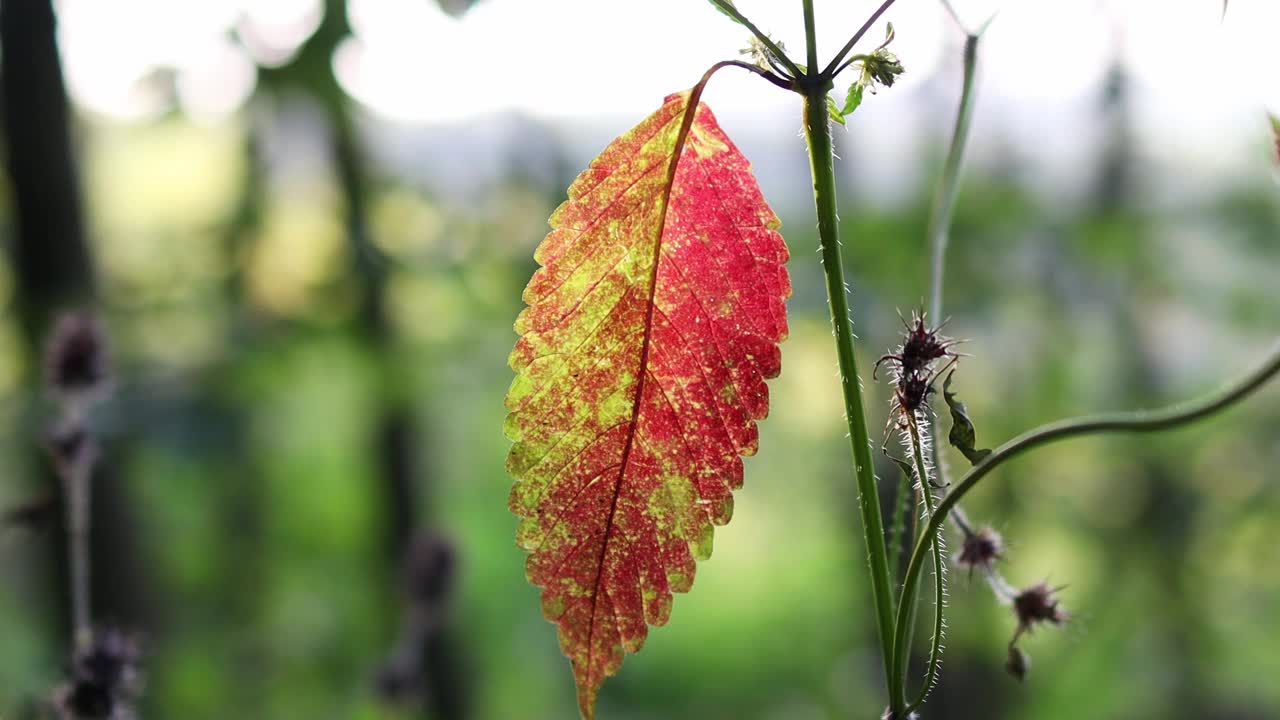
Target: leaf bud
1018,664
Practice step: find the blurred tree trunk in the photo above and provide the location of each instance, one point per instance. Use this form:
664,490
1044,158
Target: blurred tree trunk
442,686
50,258
54,271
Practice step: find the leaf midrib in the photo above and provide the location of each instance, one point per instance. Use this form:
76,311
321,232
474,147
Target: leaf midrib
690,113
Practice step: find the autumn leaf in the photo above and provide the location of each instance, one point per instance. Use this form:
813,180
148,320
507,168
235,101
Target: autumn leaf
650,330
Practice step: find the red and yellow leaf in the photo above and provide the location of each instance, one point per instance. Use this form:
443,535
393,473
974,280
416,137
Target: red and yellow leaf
650,330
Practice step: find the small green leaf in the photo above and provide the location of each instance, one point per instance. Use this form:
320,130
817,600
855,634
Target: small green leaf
853,99
720,5
962,435
834,110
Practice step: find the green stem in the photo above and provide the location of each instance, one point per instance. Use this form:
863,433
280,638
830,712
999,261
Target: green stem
898,525
944,202
1141,421
818,134
810,39
903,650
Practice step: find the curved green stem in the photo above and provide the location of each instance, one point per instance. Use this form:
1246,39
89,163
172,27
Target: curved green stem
818,134
728,9
1141,421
902,653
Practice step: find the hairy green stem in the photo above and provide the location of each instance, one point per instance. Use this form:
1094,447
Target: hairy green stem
902,648
1141,421
821,159
939,229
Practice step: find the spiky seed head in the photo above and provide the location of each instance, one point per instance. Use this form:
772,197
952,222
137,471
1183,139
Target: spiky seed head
1038,604
922,345
980,549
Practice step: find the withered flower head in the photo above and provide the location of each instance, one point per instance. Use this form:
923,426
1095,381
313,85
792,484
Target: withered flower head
980,549
77,362
429,571
104,680
1038,604
882,67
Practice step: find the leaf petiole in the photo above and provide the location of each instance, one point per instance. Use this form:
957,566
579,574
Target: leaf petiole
727,7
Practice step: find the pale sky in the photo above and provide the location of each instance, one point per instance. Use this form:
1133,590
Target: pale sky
411,63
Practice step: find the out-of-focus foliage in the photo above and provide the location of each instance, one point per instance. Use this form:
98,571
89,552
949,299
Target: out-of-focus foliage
244,438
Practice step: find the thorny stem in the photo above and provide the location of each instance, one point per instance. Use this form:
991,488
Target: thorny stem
818,135
939,227
901,646
1141,421
774,50
939,236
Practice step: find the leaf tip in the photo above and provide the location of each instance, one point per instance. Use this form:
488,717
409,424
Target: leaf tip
588,690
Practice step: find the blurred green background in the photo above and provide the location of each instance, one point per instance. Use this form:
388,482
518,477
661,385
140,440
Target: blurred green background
310,310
